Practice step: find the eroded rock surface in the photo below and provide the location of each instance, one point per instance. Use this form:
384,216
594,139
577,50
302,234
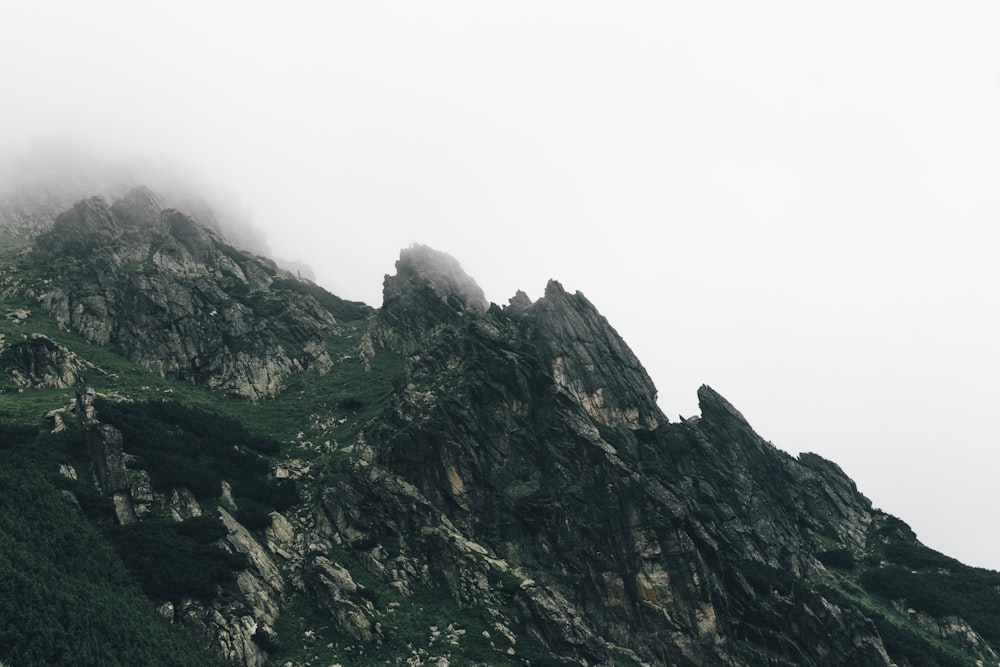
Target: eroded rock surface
177,300
38,361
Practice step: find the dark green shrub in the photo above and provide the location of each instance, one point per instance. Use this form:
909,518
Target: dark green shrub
704,514
170,564
839,558
266,640
351,404
65,598
275,494
764,579
253,515
202,529
95,505
917,556
180,446
13,435
968,592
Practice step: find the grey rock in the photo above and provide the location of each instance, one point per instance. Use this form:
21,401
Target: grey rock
104,444
955,631
429,293
262,584
141,492
183,505
38,361
177,300
331,584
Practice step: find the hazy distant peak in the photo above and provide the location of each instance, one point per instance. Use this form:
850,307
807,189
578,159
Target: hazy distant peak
430,291
554,288
519,301
140,204
442,273
142,196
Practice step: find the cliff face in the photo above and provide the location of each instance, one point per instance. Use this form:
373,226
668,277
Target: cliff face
474,484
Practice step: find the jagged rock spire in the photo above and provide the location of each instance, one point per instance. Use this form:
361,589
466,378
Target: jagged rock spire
430,291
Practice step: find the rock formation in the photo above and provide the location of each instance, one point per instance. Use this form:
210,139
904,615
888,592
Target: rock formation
38,361
512,485
177,300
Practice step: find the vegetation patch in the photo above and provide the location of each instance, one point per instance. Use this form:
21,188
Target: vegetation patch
970,593
903,642
331,407
765,579
841,559
184,447
65,598
10,245
176,560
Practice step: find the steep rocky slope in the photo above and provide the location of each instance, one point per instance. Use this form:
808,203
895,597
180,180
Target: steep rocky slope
172,296
535,431
456,482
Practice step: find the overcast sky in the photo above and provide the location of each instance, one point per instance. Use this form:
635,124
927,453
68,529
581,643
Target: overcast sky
796,203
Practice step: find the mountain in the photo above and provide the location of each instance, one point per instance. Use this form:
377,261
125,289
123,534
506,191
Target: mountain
209,459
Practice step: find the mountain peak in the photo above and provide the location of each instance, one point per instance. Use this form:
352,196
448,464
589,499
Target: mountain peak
176,299
591,360
140,204
715,407
429,291
442,274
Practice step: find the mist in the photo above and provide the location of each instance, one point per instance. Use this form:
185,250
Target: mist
794,204
52,176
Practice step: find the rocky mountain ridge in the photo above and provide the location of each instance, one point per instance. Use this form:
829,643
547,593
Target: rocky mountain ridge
453,481
176,299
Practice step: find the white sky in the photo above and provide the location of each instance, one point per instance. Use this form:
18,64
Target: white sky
796,203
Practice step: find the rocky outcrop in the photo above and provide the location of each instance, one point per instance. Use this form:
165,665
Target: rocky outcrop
233,624
28,208
261,582
582,348
177,300
104,444
955,631
340,596
429,293
228,627
38,361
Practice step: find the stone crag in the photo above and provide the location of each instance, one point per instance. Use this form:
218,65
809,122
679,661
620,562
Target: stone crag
38,361
177,300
